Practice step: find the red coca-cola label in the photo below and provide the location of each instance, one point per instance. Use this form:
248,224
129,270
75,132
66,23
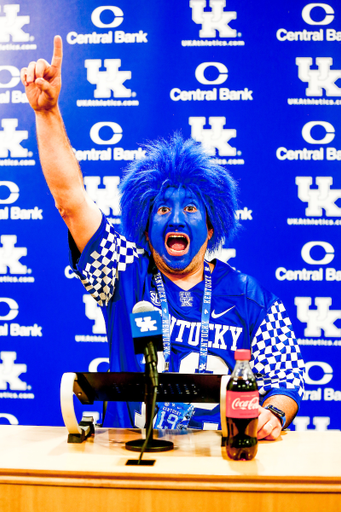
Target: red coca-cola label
242,404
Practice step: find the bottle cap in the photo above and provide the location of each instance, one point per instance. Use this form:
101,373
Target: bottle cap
242,355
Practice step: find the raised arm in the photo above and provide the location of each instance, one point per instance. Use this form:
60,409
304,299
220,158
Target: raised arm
42,82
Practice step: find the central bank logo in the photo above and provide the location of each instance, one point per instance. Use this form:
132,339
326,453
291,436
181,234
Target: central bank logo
113,134
9,196
327,135
10,371
12,192
106,198
13,77
107,17
308,253
321,318
214,94
10,256
309,8
319,79
109,81
317,15
322,198
328,256
214,21
13,329
11,25
214,138
9,78
116,12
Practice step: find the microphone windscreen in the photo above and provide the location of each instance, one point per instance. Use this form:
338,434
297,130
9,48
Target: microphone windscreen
143,307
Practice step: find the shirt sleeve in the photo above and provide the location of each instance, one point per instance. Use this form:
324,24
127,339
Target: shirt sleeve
105,255
276,358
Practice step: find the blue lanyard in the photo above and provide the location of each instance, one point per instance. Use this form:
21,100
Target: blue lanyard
205,319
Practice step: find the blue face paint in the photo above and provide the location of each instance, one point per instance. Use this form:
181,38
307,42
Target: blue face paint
178,227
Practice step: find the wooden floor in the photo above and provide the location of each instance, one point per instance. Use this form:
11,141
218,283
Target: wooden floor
40,472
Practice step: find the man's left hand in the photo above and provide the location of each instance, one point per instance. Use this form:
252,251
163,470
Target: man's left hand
269,426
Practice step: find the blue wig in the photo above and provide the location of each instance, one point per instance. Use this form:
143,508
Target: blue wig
177,163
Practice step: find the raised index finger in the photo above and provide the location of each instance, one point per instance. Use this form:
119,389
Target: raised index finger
57,52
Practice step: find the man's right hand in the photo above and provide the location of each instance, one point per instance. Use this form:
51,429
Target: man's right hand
42,80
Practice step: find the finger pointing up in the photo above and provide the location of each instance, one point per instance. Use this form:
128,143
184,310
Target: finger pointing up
57,52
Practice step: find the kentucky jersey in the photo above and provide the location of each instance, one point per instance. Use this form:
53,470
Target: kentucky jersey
243,315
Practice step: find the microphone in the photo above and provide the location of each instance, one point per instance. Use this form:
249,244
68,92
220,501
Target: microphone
146,329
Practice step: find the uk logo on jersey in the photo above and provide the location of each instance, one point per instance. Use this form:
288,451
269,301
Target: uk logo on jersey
186,299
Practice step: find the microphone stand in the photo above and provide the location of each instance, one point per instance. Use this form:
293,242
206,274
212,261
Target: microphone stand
152,382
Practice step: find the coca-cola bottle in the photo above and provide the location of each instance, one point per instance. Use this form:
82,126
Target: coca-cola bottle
242,402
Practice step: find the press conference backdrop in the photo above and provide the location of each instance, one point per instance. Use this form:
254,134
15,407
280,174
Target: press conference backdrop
257,83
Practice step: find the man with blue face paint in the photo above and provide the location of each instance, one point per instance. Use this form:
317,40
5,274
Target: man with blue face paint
176,203
178,234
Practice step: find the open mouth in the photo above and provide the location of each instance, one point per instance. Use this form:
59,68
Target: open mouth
177,244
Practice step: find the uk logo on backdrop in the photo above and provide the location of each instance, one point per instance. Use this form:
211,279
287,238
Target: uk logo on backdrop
12,270
94,313
321,79
318,319
13,29
10,371
111,89
106,197
11,138
321,198
12,384
214,20
320,75
10,256
216,138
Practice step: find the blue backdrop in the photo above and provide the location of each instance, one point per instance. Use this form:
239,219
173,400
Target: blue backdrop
258,83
